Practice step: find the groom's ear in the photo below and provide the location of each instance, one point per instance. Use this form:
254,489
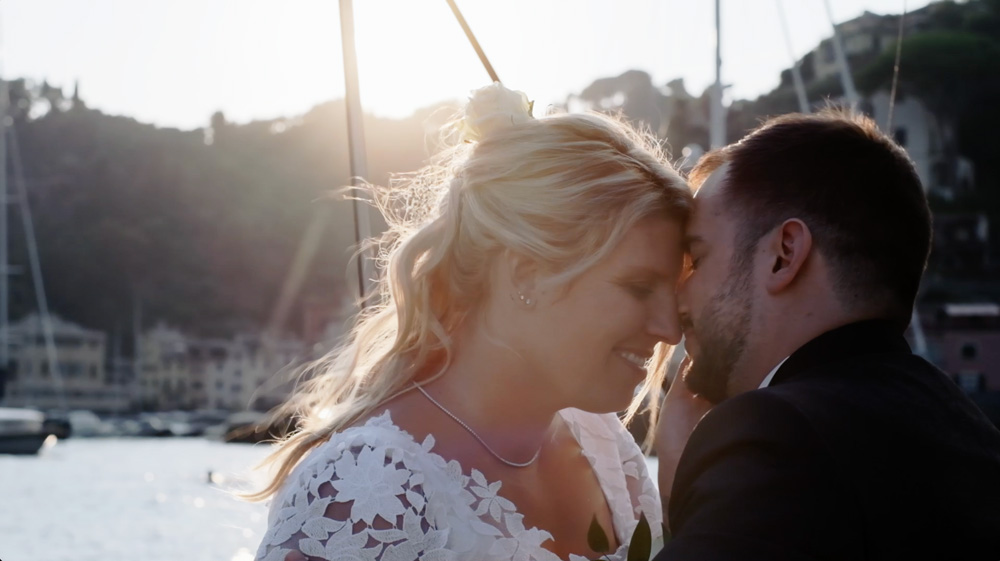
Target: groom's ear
788,249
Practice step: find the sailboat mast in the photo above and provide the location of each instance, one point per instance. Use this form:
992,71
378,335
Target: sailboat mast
846,79
800,88
48,330
356,145
137,352
4,257
717,113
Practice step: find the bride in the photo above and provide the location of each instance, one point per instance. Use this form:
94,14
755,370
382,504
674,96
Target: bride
529,277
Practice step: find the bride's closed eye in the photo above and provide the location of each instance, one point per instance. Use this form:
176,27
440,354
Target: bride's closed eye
640,291
640,288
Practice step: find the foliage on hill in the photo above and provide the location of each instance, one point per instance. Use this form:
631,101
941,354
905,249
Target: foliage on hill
202,234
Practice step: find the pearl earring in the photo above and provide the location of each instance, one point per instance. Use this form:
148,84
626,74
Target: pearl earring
526,301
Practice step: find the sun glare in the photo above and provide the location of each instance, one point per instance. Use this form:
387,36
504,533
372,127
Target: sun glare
409,52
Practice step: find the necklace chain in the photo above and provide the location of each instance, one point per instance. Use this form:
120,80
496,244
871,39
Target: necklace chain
476,436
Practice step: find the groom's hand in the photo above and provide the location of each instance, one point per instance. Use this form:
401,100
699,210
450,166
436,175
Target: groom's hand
679,415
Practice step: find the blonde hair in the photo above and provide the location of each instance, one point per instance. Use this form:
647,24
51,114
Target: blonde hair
562,190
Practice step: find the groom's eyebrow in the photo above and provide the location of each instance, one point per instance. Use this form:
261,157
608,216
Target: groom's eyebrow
690,240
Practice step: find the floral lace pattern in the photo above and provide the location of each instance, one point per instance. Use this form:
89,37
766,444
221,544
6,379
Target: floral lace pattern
372,493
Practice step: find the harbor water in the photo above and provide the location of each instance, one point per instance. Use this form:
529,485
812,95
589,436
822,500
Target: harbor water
111,499
126,499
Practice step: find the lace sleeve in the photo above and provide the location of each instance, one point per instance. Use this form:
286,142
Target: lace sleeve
641,489
620,467
360,501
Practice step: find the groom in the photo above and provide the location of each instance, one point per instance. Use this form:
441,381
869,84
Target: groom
827,437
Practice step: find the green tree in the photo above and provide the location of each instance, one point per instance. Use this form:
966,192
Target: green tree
957,76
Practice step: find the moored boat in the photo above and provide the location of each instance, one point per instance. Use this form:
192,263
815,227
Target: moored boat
22,431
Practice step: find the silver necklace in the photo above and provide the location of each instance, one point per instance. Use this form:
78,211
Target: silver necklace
476,436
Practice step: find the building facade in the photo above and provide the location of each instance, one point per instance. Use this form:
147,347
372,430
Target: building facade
71,374
246,372
964,341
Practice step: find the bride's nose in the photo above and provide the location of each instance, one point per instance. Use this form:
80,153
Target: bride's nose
664,322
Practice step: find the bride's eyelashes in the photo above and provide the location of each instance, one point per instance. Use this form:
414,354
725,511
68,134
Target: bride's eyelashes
639,290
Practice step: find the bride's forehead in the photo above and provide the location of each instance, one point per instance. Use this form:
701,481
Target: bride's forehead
650,245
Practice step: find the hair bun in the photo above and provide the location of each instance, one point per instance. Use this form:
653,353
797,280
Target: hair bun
492,108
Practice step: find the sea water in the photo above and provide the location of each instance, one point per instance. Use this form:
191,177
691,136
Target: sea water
109,499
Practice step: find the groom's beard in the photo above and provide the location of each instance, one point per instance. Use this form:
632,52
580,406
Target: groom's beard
721,331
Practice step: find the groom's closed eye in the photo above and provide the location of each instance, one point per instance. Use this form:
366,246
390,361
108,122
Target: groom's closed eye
691,263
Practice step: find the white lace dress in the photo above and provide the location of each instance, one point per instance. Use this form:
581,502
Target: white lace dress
410,504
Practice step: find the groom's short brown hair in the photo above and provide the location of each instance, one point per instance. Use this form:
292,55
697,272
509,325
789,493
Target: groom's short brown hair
854,187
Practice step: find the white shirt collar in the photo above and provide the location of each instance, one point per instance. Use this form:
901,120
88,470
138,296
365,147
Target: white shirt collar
767,380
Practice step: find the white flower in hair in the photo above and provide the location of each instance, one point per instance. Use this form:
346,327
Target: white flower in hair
494,107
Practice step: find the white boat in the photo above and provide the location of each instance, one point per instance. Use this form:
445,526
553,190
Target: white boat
87,423
21,430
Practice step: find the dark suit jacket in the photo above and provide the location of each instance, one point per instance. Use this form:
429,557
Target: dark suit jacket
858,449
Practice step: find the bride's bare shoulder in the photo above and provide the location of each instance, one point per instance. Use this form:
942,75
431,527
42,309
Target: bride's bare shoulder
408,412
414,415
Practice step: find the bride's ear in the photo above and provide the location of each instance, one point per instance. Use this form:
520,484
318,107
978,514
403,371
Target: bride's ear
522,273
787,251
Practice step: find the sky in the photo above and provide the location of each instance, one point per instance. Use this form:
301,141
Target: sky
175,62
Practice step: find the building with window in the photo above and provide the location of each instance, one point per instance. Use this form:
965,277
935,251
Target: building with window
964,341
164,377
244,372
70,375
